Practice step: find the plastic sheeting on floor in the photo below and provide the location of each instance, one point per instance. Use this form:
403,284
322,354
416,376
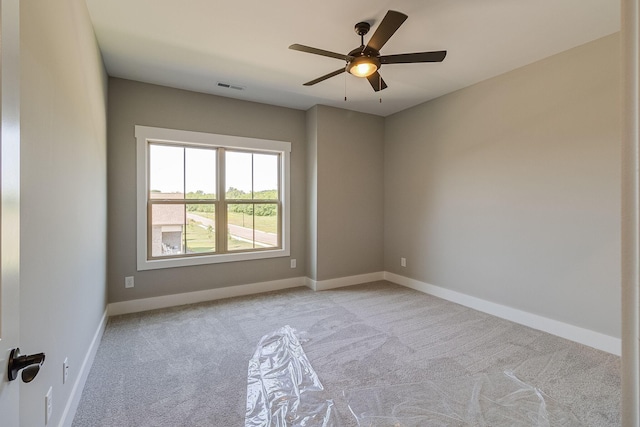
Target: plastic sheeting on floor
493,400
283,390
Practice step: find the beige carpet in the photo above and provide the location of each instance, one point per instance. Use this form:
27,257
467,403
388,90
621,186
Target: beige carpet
187,366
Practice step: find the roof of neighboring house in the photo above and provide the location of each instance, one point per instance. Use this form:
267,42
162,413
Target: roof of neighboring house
167,214
159,195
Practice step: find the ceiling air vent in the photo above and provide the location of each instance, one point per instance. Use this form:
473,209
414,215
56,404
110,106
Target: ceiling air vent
230,86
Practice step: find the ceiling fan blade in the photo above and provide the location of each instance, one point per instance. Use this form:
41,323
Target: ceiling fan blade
315,51
407,58
376,82
389,25
325,77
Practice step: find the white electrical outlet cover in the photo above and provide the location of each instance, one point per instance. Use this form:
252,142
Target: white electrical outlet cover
128,282
65,370
48,401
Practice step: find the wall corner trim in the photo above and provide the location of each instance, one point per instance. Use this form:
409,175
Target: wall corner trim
310,283
153,303
76,393
563,330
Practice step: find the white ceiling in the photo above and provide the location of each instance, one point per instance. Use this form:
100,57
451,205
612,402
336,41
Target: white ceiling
194,44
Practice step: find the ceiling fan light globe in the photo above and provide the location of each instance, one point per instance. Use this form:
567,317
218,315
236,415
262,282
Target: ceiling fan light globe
363,69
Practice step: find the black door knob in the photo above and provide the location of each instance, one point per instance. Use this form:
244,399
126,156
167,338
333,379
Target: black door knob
31,365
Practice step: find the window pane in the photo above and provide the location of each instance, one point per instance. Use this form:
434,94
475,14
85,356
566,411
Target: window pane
166,172
201,228
167,227
252,225
240,227
200,173
266,225
265,176
238,167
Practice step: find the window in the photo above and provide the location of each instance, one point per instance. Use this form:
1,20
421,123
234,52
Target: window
206,198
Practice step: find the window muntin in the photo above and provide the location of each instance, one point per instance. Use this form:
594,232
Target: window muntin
210,198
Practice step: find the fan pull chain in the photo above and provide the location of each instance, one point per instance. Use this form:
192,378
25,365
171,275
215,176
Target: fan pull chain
380,86
345,87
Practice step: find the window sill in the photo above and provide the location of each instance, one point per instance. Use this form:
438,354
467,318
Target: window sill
144,264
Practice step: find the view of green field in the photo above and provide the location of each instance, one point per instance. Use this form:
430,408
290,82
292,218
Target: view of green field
268,224
200,239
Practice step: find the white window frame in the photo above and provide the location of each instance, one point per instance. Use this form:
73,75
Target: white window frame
145,135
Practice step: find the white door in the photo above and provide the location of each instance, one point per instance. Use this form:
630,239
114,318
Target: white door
9,204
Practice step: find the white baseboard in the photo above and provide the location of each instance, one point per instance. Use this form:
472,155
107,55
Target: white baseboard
76,393
323,285
153,303
564,330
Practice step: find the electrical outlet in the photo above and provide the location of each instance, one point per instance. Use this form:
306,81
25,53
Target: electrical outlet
48,406
128,282
293,263
65,370
403,262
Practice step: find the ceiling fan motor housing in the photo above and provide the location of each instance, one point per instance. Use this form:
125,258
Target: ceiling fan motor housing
362,28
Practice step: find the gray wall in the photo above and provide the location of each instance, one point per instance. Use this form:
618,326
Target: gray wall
509,190
63,190
350,193
346,211
133,103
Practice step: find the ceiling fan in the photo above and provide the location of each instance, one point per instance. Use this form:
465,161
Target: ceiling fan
365,61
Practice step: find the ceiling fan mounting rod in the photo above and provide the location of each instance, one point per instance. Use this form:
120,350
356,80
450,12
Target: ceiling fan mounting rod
361,29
